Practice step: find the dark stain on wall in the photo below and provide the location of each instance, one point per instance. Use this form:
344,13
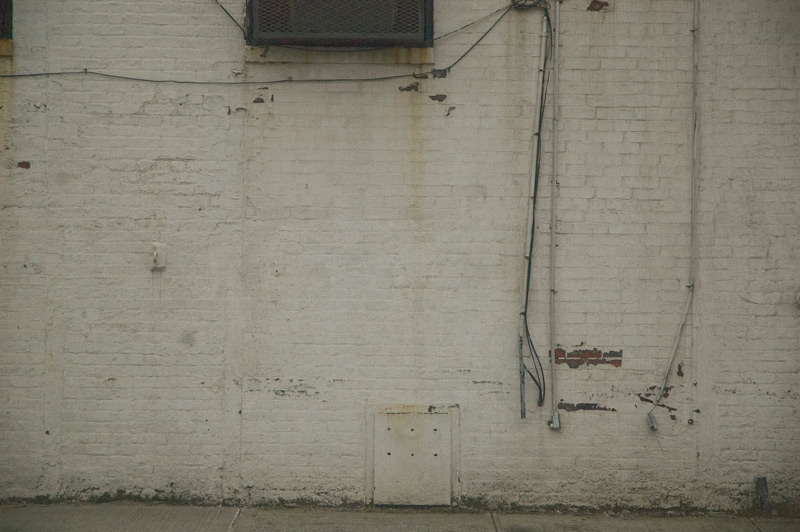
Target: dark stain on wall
645,399
572,407
596,5
588,357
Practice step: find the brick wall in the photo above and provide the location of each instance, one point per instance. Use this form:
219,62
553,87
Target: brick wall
337,248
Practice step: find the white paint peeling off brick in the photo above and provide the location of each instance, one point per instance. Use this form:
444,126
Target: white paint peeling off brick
336,249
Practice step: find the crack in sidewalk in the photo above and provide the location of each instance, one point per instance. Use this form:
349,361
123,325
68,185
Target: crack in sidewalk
494,523
235,518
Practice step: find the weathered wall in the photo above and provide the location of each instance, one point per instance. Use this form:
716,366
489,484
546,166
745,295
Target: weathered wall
336,248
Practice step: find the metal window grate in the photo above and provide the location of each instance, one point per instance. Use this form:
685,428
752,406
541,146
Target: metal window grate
342,22
5,19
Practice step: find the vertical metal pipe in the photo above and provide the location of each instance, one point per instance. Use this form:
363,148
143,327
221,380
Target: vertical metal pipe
555,422
695,137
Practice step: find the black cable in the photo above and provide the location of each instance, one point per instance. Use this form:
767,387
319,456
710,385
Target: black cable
341,50
376,48
537,363
269,82
231,17
190,82
476,43
465,26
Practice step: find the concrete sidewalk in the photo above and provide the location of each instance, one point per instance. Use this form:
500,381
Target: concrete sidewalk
136,517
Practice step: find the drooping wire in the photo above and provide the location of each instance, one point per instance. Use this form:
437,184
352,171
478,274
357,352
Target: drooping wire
374,48
538,371
515,4
465,26
268,82
476,43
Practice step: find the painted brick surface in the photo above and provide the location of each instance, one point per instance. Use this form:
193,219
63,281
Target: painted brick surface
337,248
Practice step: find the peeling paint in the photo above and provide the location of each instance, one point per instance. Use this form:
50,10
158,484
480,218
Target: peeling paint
588,357
410,87
438,97
596,5
645,399
664,394
572,407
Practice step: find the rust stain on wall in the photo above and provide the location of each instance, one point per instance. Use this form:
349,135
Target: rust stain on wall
589,357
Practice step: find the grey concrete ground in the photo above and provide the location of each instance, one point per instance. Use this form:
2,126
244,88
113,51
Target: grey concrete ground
133,517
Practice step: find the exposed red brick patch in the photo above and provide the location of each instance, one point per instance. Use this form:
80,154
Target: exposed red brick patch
586,353
589,357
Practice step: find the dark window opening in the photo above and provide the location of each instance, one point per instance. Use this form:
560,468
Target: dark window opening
5,19
341,23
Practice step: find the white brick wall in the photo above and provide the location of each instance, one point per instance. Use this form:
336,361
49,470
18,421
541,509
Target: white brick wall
344,247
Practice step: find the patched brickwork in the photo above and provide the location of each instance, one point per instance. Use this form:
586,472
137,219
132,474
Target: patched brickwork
588,357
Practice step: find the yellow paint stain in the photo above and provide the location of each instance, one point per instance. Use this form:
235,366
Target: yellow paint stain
408,56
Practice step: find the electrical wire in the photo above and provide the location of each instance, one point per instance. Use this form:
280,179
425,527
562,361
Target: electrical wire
538,378
476,43
267,82
465,26
211,82
244,32
515,4
694,192
341,50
